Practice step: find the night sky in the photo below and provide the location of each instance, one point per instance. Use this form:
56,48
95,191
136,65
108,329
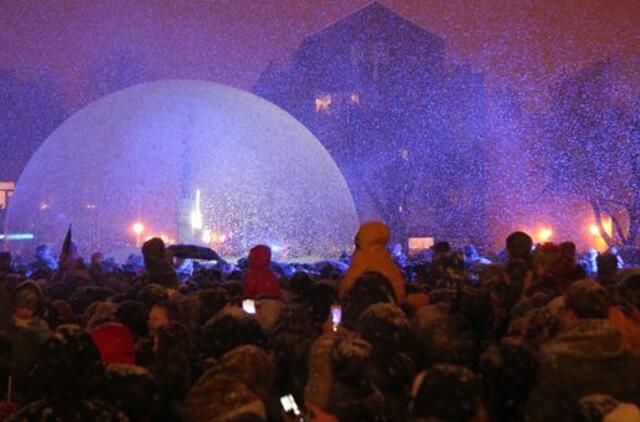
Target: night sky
525,45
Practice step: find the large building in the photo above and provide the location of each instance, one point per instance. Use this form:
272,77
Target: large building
405,127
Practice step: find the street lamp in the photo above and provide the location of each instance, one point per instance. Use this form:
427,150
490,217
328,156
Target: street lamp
138,229
545,234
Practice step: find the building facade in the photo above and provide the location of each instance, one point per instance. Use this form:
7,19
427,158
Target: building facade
405,128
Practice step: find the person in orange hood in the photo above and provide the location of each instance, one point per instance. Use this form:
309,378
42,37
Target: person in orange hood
371,255
260,281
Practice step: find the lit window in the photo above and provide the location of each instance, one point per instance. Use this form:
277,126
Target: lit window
355,98
323,103
6,192
404,154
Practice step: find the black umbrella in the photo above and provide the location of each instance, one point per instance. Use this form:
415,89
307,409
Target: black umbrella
194,252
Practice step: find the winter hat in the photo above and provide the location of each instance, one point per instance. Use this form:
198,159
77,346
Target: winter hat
219,397
588,299
251,365
115,343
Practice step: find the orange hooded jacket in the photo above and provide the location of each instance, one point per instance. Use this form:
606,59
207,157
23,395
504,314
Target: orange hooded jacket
371,255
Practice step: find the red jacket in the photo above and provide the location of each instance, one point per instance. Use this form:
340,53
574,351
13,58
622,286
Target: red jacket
260,281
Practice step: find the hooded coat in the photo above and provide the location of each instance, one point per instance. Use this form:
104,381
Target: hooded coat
371,255
590,357
260,281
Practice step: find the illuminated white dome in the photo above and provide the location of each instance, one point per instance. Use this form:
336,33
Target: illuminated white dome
131,156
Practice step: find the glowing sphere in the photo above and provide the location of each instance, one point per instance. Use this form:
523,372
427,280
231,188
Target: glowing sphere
138,156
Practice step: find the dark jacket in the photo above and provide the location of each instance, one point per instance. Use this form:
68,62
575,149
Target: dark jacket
587,358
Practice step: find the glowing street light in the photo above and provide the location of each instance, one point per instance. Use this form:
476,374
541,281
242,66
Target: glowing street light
594,230
138,229
544,234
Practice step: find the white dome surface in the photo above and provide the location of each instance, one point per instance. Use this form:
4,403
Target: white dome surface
132,155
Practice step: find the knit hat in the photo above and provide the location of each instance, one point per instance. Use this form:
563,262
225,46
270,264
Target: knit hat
115,343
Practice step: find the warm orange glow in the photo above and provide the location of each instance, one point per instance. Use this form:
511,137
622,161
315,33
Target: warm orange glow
544,234
138,228
598,241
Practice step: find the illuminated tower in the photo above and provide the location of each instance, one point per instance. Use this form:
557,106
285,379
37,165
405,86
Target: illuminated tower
185,232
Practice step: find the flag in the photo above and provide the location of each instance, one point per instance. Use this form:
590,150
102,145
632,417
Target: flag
65,252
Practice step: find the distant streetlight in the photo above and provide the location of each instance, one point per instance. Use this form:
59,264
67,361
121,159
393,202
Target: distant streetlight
545,234
138,229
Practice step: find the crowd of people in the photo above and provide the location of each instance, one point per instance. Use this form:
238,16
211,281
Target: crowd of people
538,335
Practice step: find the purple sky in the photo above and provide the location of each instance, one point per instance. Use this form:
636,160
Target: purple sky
523,44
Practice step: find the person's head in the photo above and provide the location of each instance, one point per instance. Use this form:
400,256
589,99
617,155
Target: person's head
585,299
161,314
27,300
440,248
300,284
568,251
448,392
153,251
546,257
5,261
259,257
518,245
172,336
372,235
607,264
251,365
229,328
629,292
133,314
69,361
97,258
131,389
